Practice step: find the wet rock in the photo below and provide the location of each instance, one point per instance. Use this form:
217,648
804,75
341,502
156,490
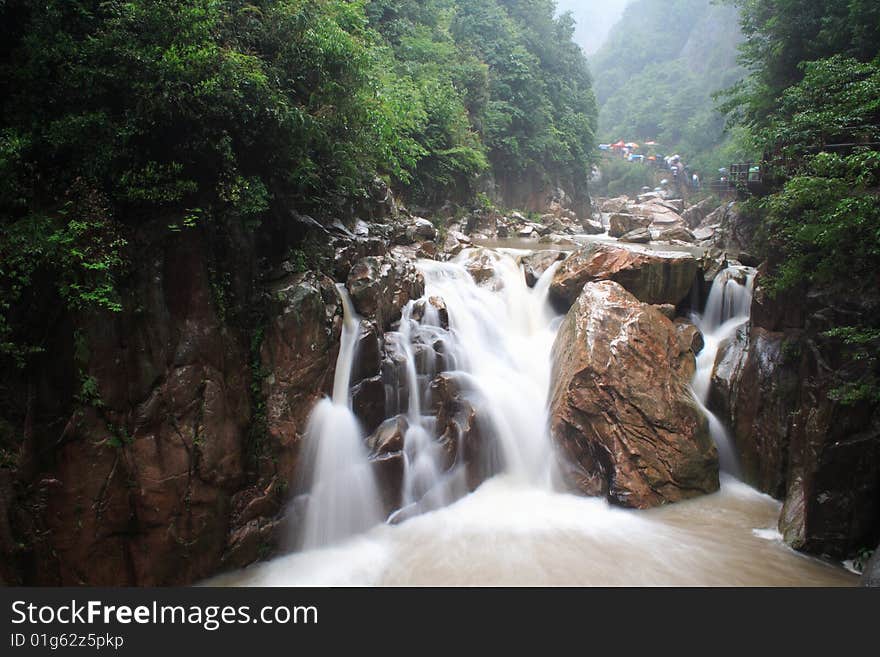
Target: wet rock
427,251
621,224
432,311
733,231
558,241
590,227
667,310
637,236
481,264
250,542
348,252
368,352
689,335
388,469
676,234
420,230
652,276
368,402
695,214
382,203
795,441
299,354
756,397
704,234
661,214
388,437
482,222
871,574
535,264
615,205
381,286
621,407
455,243
527,231
459,431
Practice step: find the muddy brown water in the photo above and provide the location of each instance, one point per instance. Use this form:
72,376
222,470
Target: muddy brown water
507,534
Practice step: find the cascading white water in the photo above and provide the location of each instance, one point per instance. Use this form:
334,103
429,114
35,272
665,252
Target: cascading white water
344,498
514,530
727,309
497,349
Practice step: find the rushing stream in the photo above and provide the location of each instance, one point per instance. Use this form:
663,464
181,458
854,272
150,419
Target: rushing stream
344,498
495,340
727,309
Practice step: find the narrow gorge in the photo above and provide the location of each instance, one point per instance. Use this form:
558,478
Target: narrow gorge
319,292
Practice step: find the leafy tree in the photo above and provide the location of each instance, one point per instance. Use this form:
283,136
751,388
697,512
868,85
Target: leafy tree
782,34
186,113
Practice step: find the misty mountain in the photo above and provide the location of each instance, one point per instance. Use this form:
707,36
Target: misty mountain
594,19
657,72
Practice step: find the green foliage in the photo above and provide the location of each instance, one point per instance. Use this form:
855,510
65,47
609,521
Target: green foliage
482,84
119,437
89,393
860,347
782,34
621,177
826,220
812,102
199,112
837,102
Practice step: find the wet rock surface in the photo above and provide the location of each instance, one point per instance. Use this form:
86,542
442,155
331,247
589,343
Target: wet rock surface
773,386
654,277
621,407
381,286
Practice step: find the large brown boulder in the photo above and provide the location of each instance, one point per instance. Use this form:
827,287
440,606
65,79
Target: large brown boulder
621,407
637,236
613,205
654,277
695,214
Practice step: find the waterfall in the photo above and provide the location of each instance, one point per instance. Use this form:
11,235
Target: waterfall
495,345
727,309
344,498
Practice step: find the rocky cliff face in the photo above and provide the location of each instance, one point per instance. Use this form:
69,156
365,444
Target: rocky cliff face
156,445
132,458
774,386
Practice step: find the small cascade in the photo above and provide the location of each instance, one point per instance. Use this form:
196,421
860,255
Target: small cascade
425,485
494,340
344,498
727,308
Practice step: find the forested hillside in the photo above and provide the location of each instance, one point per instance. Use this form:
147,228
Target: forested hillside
208,111
656,76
